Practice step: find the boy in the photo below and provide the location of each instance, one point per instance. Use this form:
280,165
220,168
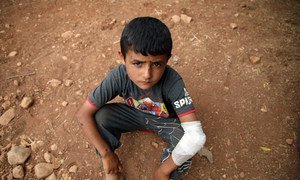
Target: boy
155,100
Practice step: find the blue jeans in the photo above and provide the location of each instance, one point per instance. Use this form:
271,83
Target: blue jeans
116,118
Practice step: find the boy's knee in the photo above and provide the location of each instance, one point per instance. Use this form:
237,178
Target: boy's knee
102,116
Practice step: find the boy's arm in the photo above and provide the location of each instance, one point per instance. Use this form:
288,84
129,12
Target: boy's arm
86,120
165,169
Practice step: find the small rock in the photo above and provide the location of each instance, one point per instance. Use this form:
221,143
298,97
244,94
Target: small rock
206,153
67,34
51,177
64,57
7,116
123,23
53,147
29,167
289,141
48,157
65,176
6,104
185,18
35,145
24,143
254,59
79,93
77,35
264,109
176,19
64,103
7,26
73,169
19,64
68,82
18,172
18,155
43,170
12,54
224,176
26,102
242,175
54,82
16,83
154,144
56,163
233,25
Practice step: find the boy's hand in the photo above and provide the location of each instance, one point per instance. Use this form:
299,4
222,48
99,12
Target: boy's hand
111,163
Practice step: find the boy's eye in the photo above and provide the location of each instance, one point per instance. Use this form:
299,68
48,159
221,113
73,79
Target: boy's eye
137,64
156,64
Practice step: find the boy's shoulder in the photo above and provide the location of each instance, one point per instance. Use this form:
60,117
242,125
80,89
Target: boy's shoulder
171,74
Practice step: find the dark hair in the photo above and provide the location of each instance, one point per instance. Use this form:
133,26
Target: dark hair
146,35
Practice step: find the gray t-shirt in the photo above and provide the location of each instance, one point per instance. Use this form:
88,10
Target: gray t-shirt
167,98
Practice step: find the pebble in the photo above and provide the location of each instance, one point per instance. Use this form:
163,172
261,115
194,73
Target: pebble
7,116
18,155
16,83
12,54
154,144
123,23
176,19
43,170
224,176
35,145
264,109
24,143
19,64
54,82
51,177
254,59
6,104
73,169
26,102
289,141
206,153
68,82
65,176
67,34
18,172
48,157
64,103
242,175
233,25
53,147
185,18
79,93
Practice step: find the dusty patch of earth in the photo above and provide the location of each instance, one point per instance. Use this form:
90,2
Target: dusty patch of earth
250,110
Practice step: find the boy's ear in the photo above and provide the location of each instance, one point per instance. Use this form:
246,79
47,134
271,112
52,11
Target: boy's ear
121,57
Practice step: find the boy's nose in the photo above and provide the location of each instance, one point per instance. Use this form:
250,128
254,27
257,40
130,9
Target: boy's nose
147,73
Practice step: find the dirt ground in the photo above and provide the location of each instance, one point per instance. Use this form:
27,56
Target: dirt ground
249,110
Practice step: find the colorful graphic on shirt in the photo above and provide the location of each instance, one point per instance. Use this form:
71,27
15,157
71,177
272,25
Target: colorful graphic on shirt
148,106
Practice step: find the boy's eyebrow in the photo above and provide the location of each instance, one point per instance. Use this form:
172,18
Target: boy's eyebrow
137,60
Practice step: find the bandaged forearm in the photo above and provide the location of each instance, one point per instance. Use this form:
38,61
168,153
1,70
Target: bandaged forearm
190,143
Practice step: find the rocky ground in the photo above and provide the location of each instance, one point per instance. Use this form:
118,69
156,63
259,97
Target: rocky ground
239,60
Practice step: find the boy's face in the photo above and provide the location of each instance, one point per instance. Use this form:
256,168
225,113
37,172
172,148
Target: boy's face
144,71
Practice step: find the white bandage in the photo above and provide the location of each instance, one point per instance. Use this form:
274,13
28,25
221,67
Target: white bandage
190,143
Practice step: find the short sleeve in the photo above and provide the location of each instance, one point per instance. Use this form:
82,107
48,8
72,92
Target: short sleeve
107,90
180,99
